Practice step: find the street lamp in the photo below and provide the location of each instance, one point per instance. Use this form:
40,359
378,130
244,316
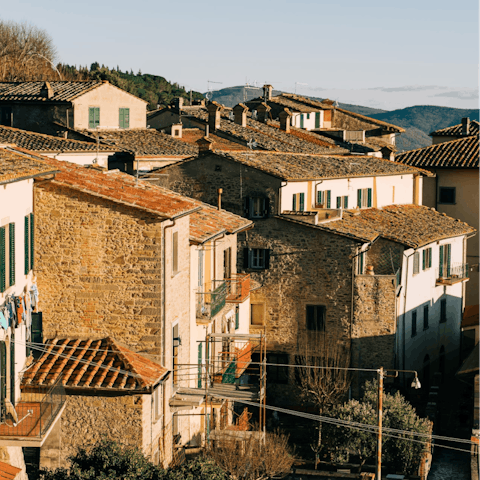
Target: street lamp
381,373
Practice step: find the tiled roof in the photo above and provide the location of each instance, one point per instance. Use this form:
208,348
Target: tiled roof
456,130
411,225
288,166
31,91
144,141
38,142
8,472
98,364
462,153
191,135
16,167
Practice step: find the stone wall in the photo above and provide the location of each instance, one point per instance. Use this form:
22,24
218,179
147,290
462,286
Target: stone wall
40,118
386,257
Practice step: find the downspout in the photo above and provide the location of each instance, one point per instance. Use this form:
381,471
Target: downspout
405,313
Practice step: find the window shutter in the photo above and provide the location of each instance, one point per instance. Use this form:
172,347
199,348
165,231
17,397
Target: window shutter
310,317
26,268
120,118
37,332
267,258
319,197
449,258
11,253
423,259
237,319
294,203
369,197
345,203
339,202
440,263
430,258
266,207
91,118
359,198
329,199
2,260
32,241
97,116
317,119
302,202
246,262
126,117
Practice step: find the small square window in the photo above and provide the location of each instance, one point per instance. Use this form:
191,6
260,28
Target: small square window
446,195
256,258
257,207
316,317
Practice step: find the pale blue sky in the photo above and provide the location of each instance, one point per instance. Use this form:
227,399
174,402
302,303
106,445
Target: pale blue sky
341,44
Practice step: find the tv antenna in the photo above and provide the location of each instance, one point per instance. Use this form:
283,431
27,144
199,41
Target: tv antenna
210,91
298,83
252,144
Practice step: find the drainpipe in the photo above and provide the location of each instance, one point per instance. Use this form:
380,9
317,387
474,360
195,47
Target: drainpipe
405,313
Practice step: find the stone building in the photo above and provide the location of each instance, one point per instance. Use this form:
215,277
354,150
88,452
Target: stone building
329,248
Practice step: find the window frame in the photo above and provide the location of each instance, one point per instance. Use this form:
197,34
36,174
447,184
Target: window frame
318,320
261,309
364,197
426,313
256,206
262,254
342,201
416,263
324,198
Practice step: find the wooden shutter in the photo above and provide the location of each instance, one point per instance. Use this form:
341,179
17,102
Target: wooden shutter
175,252
329,199
294,202
359,198
3,277
267,258
121,119
449,258
26,247
302,202
237,318
12,369
32,241
37,332
91,117
369,204
345,202
339,202
317,119
440,262
424,252
301,120
126,117
319,197
11,253
429,258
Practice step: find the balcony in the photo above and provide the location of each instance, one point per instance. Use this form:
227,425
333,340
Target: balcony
451,274
209,303
29,424
238,288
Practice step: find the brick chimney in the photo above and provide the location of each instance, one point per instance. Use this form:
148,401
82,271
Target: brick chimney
47,90
214,109
205,144
240,113
466,126
263,112
267,92
285,117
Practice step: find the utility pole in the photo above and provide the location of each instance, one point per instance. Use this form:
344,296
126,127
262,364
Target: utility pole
378,474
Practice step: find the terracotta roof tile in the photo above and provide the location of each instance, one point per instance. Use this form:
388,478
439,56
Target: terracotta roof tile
191,135
98,364
456,130
8,472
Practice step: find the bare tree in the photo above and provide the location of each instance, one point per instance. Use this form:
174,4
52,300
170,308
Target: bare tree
27,53
323,376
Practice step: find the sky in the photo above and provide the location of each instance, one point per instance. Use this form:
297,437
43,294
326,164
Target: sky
311,46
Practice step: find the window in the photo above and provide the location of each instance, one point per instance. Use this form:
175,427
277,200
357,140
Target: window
257,313
29,241
124,118
93,117
426,258
6,116
446,195
316,317
258,258
7,256
301,120
317,119
443,310
157,403
298,204
175,252
361,264
278,375
308,116
445,254
256,207
324,198
416,263
425,317
414,323
342,202
227,263
364,197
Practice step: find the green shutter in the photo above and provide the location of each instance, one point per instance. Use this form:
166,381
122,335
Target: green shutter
91,118
449,258
301,120
329,199
430,258
345,203
11,253
319,197
26,247
200,358
317,119
302,202
369,204
126,118
339,202
359,198
121,118
32,241
294,206
237,319
440,262
2,260
423,259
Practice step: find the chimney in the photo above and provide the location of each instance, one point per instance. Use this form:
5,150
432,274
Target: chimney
267,92
466,126
263,112
178,103
240,113
214,109
220,191
285,116
176,130
47,90
204,144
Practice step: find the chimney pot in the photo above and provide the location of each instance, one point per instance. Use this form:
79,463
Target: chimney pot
176,130
285,117
220,191
47,90
214,110
263,112
466,126
267,92
240,114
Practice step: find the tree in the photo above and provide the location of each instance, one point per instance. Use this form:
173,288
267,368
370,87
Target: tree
327,383
401,454
251,458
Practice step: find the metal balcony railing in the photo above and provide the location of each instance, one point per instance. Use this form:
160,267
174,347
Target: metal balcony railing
33,415
209,303
238,287
450,274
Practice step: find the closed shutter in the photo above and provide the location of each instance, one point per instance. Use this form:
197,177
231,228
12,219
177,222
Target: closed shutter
339,202
11,253
32,241
91,118
440,262
424,252
301,120
3,380
294,202
246,263
369,197
329,199
26,247
37,332
2,260
12,369
237,318
267,258
345,202
429,258
317,119
319,197
359,198
200,358
302,202
449,258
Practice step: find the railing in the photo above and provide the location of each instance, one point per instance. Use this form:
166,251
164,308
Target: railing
238,287
33,415
450,274
231,364
210,303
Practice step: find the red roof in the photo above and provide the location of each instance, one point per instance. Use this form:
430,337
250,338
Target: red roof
99,364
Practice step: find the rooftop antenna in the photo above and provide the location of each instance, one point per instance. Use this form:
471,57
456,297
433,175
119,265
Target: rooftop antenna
298,83
210,91
248,86
252,144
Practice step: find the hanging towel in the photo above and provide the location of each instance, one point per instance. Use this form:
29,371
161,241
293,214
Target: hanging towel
19,309
3,321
